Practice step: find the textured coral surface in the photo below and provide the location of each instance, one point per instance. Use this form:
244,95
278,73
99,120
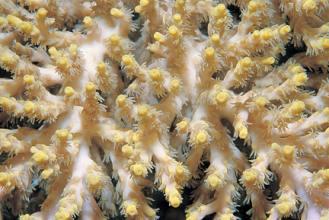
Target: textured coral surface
218,106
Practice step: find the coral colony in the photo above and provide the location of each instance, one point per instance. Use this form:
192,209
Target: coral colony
105,101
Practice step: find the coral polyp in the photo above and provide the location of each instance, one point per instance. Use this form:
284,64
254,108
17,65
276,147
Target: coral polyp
104,102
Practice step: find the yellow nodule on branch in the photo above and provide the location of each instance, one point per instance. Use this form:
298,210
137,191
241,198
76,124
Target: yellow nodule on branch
40,157
28,79
138,169
201,137
29,107
222,97
127,150
156,75
131,209
88,22
69,91
117,13
45,174
41,14
249,177
213,181
297,107
285,208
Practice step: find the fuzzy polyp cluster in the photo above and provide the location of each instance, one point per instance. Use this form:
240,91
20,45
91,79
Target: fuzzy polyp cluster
105,104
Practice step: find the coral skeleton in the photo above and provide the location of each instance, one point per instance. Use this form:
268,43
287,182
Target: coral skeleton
104,102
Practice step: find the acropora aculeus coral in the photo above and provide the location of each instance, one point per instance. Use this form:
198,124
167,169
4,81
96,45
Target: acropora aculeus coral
132,96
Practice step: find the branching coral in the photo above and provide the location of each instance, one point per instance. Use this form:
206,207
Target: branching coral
142,103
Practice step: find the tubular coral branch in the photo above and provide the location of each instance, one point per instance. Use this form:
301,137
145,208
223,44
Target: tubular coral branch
103,103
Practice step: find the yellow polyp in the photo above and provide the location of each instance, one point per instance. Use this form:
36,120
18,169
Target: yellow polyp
128,60
156,75
256,34
101,68
115,40
299,79
261,101
215,39
90,87
201,137
136,137
180,170
138,9
288,152
40,157
118,138
249,176
117,13
26,27
28,79
213,181
297,69
13,20
174,85
138,169
209,53
6,103
177,18
127,150
182,126
144,3
284,30
8,60
325,43
159,37
219,11
173,31
142,111
174,200
73,49
192,216
6,180
268,61
284,208
53,52
253,6
309,5
63,63
131,210
266,34
324,174
245,62
41,14
297,107
243,132
226,217
29,107
222,97
62,215
69,91
45,174
62,134
25,217
88,22
121,100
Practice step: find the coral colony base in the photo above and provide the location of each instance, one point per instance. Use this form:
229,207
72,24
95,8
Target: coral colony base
104,102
